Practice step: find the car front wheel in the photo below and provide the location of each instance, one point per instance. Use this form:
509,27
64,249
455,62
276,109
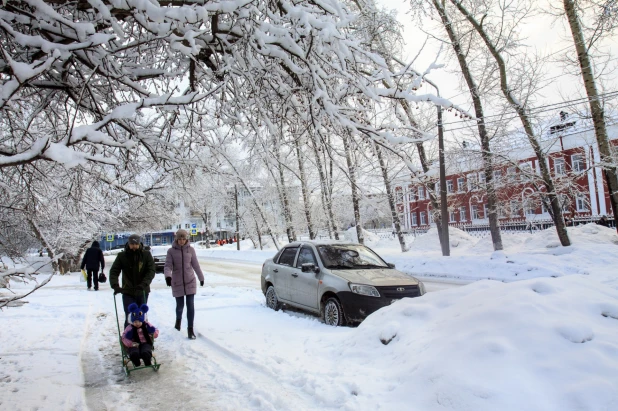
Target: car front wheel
333,313
271,299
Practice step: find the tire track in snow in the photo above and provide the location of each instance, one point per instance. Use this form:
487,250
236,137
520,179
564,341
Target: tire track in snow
247,385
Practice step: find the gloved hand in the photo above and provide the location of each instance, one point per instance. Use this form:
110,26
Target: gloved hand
117,289
168,281
201,283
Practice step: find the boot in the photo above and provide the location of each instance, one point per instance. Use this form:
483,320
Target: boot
177,326
190,333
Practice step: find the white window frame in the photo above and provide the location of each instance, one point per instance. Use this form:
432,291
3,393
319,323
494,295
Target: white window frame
497,176
485,213
529,207
526,170
451,216
511,174
580,203
581,163
421,193
481,179
423,218
414,219
449,186
475,212
463,214
473,181
514,208
399,196
559,166
461,183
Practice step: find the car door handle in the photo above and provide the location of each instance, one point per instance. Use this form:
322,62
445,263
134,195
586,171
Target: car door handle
275,271
294,275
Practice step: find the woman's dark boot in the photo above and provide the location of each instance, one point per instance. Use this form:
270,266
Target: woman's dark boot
177,326
190,333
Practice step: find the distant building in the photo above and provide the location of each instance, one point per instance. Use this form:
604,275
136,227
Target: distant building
573,159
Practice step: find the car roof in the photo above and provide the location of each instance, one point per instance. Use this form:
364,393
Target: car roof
321,242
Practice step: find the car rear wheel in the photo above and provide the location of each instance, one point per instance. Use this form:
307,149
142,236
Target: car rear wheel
271,299
333,313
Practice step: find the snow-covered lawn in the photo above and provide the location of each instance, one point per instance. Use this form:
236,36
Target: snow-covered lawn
543,337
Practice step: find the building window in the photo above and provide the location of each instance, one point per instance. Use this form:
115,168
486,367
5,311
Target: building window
514,205
475,212
511,174
578,163
473,181
580,203
485,213
529,207
187,225
414,219
462,214
559,168
497,176
178,226
481,179
526,171
451,216
421,193
461,183
449,186
423,218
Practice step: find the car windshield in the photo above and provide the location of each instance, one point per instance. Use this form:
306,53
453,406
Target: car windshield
349,256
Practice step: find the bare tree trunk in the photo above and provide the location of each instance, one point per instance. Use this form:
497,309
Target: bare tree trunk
352,176
525,120
326,204
284,195
596,108
236,233
494,227
391,199
305,191
206,219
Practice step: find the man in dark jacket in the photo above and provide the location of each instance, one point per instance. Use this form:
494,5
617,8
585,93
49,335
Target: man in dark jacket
603,221
138,271
92,258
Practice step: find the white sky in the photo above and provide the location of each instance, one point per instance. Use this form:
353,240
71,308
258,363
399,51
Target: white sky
545,34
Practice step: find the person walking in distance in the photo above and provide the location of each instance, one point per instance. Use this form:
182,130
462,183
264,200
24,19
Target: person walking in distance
181,265
92,258
138,271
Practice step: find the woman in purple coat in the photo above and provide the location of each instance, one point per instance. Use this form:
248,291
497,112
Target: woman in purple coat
181,265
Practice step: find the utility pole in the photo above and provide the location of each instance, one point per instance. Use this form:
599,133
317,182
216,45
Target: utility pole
236,234
446,247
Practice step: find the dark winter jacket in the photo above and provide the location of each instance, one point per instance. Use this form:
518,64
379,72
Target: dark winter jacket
138,270
181,264
93,257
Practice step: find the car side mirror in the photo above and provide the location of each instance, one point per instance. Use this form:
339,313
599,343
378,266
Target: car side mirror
390,265
308,267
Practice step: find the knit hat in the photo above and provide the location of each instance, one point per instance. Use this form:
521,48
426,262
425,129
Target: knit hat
96,244
137,313
182,234
134,239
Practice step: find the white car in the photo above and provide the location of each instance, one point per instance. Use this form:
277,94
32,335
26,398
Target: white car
342,282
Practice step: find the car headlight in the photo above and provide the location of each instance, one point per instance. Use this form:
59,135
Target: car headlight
364,290
421,287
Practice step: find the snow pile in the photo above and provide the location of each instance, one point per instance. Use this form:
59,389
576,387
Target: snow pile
545,344
371,239
430,242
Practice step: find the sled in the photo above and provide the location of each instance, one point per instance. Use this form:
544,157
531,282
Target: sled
127,364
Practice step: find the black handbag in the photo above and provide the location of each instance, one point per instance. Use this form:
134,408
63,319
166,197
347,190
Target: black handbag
102,278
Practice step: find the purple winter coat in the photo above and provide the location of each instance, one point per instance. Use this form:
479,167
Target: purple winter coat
181,264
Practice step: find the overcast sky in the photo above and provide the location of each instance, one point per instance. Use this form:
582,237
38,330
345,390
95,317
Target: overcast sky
544,34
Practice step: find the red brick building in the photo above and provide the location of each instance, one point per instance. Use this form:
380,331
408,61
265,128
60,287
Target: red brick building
573,159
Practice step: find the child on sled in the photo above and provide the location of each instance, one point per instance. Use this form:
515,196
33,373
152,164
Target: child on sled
139,335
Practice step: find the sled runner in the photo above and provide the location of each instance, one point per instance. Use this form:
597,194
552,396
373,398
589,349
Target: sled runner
127,365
